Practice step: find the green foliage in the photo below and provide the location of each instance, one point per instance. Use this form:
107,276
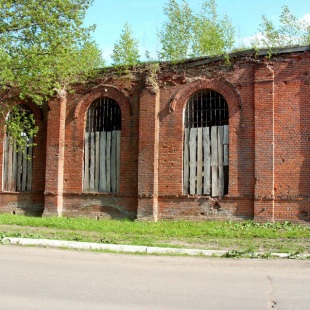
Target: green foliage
211,35
244,238
20,125
126,51
244,229
148,56
291,31
44,47
186,34
176,33
233,254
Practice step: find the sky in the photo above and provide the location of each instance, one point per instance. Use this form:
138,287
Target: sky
147,16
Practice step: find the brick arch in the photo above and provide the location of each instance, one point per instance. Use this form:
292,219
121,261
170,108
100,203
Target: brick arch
219,85
36,111
79,124
102,91
177,106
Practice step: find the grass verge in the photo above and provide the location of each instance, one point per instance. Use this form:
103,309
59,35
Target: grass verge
236,237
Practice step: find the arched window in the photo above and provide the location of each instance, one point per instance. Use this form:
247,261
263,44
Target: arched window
102,147
205,157
17,157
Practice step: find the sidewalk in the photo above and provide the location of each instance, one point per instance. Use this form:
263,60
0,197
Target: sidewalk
134,248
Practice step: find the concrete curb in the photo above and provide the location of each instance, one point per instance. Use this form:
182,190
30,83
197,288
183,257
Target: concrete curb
110,247
130,248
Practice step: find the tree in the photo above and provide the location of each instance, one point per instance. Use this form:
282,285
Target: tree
291,31
211,34
187,34
20,126
43,49
176,33
126,51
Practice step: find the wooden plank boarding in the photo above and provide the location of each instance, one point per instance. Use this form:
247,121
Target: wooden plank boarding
86,162
10,162
29,167
226,160
104,119
92,162
192,161
206,161
220,161
118,159
102,161
97,151
24,171
225,143
113,161
17,161
14,169
5,163
103,180
185,163
19,171
226,135
199,161
206,153
214,161
108,161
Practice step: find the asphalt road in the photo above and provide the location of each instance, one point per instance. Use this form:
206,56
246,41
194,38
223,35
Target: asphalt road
38,278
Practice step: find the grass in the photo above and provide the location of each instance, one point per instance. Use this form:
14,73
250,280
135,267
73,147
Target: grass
245,236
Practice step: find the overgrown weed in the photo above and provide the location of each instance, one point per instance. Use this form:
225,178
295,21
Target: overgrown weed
244,236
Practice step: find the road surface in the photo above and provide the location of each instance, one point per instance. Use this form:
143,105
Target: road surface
39,278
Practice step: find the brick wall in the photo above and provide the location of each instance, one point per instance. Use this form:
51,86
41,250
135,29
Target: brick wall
269,143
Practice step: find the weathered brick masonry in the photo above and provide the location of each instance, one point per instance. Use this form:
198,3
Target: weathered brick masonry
269,142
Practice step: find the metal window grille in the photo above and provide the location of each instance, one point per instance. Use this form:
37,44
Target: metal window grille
205,156
206,108
104,114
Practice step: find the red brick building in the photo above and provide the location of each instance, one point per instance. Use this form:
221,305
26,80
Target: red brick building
201,139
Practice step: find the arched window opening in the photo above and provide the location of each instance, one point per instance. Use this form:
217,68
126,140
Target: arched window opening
205,157
17,155
102,147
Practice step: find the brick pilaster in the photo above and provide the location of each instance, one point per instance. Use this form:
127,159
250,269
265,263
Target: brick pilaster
264,143
148,156
55,147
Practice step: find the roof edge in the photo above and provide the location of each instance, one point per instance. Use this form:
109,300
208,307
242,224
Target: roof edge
248,52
